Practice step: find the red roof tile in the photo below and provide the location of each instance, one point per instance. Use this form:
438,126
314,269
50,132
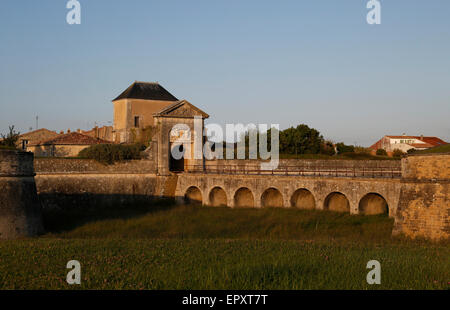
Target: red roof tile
420,145
434,141
428,141
38,130
376,145
73,138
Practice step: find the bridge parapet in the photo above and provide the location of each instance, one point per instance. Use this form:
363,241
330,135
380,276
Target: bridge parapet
329,170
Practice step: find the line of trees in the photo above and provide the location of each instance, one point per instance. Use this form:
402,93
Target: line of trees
303,139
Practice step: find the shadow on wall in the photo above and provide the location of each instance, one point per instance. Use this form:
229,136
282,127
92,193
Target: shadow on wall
63,212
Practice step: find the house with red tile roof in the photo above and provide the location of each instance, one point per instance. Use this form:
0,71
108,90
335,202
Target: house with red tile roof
64,145
34,137
405,143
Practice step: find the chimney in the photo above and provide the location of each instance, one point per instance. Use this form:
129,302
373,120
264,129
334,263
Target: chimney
68,130
404,134
421,137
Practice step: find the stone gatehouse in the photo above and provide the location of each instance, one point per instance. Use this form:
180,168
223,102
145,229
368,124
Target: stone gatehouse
148,108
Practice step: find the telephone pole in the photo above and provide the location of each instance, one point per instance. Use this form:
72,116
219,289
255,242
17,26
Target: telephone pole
37,122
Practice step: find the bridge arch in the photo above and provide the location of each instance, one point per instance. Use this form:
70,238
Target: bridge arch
218,197
336,201
271,198
303,199
193,195
373,203
243,197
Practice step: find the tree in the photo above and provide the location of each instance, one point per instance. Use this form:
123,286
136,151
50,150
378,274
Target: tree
327,148
11,138
300,140
343,148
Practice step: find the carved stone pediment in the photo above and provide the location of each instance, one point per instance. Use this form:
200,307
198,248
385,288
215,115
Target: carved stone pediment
182,109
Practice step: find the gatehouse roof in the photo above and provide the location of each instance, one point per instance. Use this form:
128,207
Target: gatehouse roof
147,91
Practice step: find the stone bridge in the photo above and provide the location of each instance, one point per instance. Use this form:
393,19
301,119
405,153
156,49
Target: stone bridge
355,195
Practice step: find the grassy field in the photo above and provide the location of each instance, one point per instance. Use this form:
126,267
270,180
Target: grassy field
437,149
166,247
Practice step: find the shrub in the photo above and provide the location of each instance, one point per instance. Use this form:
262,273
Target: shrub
381,152
110,153
9,141
411,151
342,148
398,153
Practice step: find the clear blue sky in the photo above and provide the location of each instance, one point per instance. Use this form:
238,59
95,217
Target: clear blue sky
287,62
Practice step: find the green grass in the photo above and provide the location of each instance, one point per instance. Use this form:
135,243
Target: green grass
437,149
345,156
196,222
189,247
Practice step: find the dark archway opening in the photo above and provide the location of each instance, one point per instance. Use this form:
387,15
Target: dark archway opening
176,165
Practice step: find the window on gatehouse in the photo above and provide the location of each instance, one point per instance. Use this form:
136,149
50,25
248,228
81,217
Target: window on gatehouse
136,121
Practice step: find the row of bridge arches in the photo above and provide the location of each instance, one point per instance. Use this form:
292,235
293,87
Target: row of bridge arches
370,204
